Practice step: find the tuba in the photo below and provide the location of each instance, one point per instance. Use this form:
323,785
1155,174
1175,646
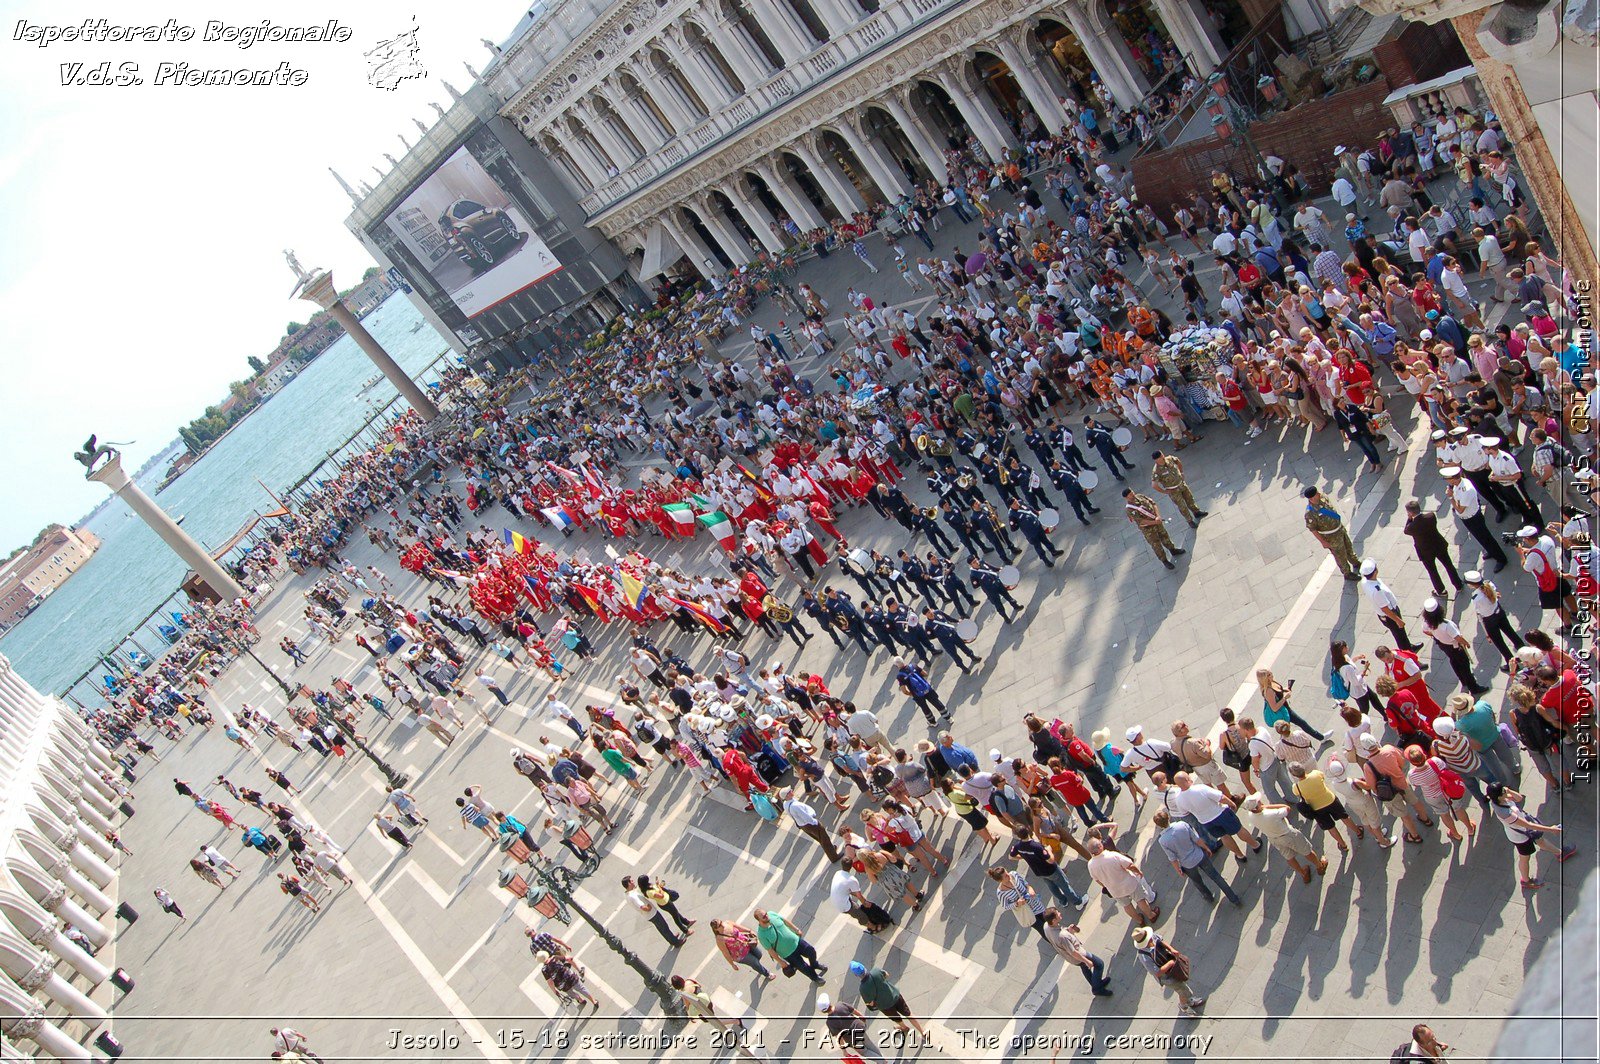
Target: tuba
841,621
943,448
778,611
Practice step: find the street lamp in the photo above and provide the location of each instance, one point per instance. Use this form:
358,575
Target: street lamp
559,885
396,779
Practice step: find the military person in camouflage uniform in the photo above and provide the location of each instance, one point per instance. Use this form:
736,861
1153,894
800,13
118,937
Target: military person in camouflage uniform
1166,476
1326,524
1146,517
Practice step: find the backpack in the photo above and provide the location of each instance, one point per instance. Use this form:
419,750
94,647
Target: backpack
1336,685
1383,788
1454,786
1169,762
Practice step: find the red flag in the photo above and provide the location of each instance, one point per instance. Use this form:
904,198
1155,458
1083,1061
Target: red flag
699,614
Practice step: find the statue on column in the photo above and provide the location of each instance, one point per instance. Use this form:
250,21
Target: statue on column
93,451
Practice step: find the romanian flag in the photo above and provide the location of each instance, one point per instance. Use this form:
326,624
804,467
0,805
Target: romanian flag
516,541
721,527
633,589
699,614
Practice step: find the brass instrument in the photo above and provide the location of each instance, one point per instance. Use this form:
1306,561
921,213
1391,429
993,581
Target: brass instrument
1002,476
841,622
778,611
930,512
923,443
943,448
994,518
966,480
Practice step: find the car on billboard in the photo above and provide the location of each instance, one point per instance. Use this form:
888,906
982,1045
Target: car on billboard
478,234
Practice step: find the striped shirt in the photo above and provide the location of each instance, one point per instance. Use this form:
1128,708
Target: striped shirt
1457,753
1019,890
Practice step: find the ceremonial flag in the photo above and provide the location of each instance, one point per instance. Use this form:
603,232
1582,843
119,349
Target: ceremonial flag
597,487
682,514
700,502
633,589
516,541
558,516
568,475
761,492
719,525
699,614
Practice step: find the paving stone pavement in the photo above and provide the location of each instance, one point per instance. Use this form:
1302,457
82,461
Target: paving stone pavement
426,945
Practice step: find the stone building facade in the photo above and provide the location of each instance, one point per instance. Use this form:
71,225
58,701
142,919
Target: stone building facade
688,128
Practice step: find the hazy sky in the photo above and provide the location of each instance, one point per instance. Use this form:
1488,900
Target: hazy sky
145,225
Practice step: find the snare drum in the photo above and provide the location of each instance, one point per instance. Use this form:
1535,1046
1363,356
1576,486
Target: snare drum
1010,576
966,629
1088,480
1049,519
1122,436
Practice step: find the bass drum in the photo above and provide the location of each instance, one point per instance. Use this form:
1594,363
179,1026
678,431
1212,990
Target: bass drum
966,629
1049,519
1010,576
1122,436
858,561
1088,480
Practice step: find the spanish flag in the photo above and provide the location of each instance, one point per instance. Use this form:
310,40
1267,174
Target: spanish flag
516,541
755,482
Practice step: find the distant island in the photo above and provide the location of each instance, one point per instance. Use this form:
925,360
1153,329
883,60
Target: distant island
301,343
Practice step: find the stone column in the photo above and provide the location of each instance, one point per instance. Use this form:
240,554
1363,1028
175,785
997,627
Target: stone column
1574,243
885,174
1193,33
697,73
991,135
621,154
24,1020
846,200
1033,85
196,557
840,16
792,199
723,231
319,289
791,40
1109,55
41,929
35,971
755,214
746,60
926,144
666,97
700,257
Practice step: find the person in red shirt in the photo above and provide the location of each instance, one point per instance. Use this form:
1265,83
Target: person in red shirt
1568,696
1406,673
1075,791
1355,377
1405,715
824,516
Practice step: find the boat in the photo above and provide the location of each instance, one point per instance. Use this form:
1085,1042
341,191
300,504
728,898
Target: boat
418,326
371,382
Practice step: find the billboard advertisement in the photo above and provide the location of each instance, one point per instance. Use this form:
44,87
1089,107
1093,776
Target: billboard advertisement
476,243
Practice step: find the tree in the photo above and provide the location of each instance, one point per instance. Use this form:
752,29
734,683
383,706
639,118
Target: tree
372,271
240,389
294,327
257,365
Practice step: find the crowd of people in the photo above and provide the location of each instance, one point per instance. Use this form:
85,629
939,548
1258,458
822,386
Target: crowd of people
1045,349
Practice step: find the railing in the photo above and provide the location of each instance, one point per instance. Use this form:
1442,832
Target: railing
1244,64
828,60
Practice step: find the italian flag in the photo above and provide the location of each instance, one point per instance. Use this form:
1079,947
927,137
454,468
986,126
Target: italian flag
720,526
682,515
